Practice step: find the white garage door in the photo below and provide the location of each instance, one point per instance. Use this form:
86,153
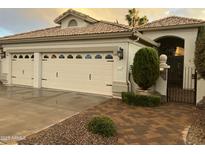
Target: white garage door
22,69
83,72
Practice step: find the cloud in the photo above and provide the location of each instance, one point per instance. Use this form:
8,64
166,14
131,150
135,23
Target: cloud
4,32
21,20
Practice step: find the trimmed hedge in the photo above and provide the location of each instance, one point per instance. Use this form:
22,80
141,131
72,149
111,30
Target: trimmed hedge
200,52
141,100
102,125
145,69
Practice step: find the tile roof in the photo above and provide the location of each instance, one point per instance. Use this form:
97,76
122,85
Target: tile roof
171,21
100,27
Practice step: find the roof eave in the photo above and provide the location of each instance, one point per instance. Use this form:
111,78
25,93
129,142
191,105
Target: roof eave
145,40
126,34
171,27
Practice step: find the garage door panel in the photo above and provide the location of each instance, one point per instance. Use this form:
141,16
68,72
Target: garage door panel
84,75
22,69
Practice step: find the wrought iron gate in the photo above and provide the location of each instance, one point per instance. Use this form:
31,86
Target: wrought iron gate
184,92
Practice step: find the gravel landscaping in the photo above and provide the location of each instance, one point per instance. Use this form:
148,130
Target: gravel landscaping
196,134
71,131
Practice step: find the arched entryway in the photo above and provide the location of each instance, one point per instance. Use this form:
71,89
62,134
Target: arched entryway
173,47
181,83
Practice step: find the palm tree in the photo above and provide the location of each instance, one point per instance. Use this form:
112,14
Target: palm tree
134,20
143,20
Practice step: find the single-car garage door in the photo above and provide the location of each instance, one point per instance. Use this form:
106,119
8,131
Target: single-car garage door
83,72
22,69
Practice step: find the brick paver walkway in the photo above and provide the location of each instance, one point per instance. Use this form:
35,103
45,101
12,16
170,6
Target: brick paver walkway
142,125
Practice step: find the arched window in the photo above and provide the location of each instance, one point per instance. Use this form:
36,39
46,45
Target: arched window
88,57
15,56
98,57
70,57
32,56
53,57
45,57
109,57
26,56
78,57
61,57
20,56
72,23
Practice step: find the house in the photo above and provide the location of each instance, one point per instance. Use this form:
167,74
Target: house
80,54
177,37
87,55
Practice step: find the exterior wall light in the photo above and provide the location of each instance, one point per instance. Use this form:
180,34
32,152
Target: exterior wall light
120,53
2,53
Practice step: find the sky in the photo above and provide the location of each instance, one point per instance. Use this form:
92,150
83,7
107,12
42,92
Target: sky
13,21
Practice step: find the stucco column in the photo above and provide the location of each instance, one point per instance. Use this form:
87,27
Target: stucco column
37,70
9,75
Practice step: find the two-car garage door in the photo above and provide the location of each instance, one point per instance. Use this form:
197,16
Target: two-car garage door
83,72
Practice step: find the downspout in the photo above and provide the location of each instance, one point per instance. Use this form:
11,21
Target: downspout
129,73
128,78
1,50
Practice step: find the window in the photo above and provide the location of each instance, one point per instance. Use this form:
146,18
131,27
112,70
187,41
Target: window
53,56
26,56
61,56
20,57
32,56
88,57
15,56
98,57
45,57
70,57
79,57
108,57
72,23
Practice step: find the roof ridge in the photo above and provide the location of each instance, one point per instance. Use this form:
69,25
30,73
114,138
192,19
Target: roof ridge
154,21
116,24
29,32
172,16
191,18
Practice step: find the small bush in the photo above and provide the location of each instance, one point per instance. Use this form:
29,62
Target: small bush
102,125
140,100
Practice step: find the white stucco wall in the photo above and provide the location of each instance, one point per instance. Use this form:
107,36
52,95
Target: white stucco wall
119,67
80,22
189,36
161,85
133,48
200,89
4,65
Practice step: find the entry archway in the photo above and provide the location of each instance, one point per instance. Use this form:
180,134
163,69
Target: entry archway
173,47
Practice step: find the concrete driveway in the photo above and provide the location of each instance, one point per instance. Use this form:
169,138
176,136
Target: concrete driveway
24,111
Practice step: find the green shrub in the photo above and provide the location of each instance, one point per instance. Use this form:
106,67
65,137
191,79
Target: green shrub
140,100
145,69
102,125
200,52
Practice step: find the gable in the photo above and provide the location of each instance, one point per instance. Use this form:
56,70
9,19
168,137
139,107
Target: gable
65,23
79,19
